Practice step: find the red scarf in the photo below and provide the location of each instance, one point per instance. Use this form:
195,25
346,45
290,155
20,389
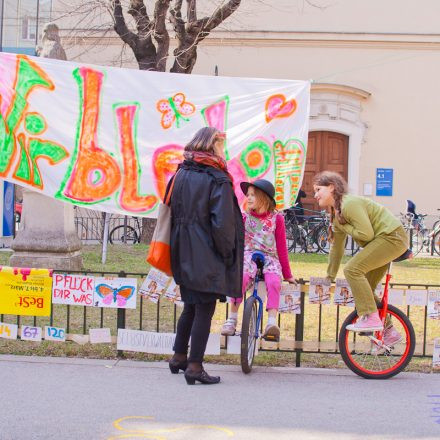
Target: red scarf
209,159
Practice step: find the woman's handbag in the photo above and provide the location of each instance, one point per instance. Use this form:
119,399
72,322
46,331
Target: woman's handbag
159,254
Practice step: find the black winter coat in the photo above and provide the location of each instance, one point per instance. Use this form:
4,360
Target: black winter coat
207,233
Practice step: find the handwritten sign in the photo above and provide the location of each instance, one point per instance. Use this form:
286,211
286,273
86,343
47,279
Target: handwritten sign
146,342
73,289
100,335
115,292
29,333
54,334
8,331
25,291
416,297
69,116
436,354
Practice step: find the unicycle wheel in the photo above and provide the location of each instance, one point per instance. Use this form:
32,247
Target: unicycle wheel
249,334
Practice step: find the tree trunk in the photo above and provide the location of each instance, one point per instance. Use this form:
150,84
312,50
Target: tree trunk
148,225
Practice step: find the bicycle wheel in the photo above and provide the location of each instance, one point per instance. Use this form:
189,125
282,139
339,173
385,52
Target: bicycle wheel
322,240
436,243
117,235
416,239
249,334
360,353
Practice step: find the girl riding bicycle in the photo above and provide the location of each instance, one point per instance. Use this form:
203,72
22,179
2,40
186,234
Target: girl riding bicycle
265,232
377,231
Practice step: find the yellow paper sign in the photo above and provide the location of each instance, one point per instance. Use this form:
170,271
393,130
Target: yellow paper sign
25,291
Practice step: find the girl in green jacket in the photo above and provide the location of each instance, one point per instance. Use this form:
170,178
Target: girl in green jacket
379,234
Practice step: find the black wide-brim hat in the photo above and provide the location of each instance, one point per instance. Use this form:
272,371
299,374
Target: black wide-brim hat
263,185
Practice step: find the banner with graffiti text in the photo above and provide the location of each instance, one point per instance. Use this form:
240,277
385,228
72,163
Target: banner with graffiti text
25,291
111,138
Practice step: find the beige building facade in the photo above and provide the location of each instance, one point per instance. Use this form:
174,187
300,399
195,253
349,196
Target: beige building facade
375,70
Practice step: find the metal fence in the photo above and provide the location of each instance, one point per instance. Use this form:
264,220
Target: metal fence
314,330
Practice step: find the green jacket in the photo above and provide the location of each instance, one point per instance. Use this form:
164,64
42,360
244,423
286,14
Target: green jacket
366,220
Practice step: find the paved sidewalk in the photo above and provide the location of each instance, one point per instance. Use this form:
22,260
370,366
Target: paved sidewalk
63,399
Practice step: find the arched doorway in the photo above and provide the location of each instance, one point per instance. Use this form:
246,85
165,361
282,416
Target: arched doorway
326,150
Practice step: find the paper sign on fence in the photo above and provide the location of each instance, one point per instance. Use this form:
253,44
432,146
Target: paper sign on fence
73,289
234,345
395,297
154,285
319,291
290,299
416,297
8,331
115,292
100,335
25,291
29,333
213,345
343,295
434,304
146,342
173,293
436,354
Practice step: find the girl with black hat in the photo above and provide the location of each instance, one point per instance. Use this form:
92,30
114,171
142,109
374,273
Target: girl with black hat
264,232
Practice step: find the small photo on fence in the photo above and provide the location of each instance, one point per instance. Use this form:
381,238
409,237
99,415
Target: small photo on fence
290,299
436,354
319,291
154,285
173,293
343,295
434,304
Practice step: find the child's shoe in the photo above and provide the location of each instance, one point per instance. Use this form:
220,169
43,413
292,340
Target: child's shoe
366,323
271,333
228,328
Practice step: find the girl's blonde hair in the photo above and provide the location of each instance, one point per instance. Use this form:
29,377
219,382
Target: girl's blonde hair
204,140
327,178
263,201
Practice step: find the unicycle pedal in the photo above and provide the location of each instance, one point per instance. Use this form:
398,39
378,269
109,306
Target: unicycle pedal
271,338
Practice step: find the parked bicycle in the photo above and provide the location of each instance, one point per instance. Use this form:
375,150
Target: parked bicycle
365,353
126,233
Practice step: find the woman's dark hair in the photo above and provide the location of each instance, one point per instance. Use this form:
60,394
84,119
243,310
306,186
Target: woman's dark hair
204,140
327,178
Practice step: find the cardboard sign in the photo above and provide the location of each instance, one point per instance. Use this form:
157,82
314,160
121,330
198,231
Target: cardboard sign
29,333
234,345
416,297
100,335
436,354
145,342
54,334
76,290
395,297
8,331
115,292
25,291
343,295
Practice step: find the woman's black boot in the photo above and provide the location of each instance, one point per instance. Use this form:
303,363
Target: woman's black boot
201,376
177,364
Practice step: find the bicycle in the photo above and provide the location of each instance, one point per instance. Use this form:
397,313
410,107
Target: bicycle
365,352
252,314
126,234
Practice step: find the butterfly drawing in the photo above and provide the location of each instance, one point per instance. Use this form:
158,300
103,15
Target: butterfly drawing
111,295
174,109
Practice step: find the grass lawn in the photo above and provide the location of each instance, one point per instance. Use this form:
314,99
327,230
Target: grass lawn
131,259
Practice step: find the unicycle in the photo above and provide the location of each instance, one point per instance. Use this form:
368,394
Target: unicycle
366,354
252,314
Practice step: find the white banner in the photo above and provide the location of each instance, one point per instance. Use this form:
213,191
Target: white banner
110,138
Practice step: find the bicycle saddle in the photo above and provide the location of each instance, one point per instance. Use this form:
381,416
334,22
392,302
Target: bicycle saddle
258,259
407,255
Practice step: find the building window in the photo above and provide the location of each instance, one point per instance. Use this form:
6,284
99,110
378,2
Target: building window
28,28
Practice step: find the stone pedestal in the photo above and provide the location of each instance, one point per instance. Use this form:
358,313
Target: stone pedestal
47,236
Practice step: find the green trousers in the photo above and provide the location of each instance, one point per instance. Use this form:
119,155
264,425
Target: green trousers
366,269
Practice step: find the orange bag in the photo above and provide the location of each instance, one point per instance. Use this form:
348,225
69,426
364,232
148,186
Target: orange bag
159,254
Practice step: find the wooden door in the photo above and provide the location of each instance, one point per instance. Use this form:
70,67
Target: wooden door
326,150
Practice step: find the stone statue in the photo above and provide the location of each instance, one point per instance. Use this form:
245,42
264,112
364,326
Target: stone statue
51,43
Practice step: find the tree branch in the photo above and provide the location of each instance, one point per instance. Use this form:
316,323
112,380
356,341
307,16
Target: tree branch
139,12
161,33
192,12
121,27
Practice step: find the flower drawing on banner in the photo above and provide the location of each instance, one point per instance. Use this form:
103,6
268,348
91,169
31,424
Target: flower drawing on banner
278,107
111,295
174,109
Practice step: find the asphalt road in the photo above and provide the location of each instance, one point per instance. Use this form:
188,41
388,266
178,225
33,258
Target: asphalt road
63,399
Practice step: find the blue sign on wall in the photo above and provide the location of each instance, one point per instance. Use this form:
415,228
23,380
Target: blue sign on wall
384,181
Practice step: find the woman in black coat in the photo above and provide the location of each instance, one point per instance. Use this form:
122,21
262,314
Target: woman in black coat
207,245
